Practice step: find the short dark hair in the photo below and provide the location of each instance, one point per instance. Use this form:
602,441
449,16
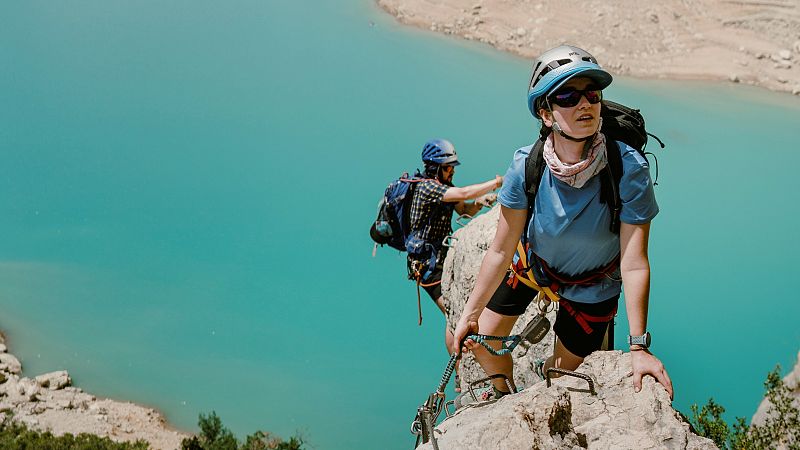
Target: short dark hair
431,170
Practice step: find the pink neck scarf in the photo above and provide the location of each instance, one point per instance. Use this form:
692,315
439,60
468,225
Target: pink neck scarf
576,175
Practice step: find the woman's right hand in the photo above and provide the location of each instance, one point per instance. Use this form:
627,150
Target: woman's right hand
466,326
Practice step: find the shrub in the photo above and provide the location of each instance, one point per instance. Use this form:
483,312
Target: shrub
214,436
17,436
781,426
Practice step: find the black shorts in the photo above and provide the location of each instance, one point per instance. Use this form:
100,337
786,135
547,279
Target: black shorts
513,301
573,335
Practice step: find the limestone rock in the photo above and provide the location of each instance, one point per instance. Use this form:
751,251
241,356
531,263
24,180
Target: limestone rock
54,380
567,416
676,39
460,273
9,363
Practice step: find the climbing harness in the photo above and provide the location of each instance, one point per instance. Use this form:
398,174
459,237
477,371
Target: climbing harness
585,279
583,319
524,273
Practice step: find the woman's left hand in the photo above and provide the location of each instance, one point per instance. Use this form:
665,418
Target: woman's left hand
645,363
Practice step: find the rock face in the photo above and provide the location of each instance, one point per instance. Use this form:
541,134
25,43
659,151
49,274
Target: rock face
48,402
460,272
750,42
564,415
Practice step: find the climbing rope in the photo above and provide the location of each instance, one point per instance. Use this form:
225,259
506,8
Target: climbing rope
508,342
533,332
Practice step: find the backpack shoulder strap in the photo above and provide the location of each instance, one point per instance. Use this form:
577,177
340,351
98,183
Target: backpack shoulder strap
609,183
534,169
614,154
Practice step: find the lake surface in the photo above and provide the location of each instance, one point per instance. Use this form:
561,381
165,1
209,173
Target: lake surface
187,188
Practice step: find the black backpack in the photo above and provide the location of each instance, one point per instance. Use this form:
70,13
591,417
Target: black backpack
620,123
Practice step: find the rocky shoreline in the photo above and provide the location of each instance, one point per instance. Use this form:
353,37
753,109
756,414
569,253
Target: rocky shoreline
750,42
49,402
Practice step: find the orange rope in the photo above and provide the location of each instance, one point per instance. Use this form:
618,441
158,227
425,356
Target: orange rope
418,277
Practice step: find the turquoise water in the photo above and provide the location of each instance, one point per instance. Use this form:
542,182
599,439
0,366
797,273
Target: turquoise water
187,188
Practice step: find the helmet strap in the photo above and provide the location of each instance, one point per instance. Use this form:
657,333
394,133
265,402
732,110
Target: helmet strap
557,128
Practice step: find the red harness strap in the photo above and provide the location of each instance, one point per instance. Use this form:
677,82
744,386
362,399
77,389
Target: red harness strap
583,319
584,279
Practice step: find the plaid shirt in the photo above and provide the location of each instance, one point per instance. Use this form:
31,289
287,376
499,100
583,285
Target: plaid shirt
430,214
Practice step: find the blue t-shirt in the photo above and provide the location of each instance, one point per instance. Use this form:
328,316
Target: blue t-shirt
570,228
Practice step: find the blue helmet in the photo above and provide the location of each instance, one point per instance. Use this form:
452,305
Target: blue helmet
556,66
440,151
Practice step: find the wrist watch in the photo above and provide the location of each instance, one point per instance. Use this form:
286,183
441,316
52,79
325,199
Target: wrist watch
643,340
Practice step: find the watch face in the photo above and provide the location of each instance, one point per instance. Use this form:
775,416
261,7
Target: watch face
643,340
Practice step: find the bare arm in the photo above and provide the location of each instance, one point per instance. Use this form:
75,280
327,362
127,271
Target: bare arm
459,194
493,268
635,269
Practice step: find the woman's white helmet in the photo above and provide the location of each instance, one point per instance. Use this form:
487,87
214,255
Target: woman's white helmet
555,66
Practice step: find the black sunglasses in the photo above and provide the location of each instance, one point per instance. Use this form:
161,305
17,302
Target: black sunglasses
569,97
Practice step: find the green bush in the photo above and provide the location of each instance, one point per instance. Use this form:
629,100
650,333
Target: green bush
214,436
782,424
16,436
